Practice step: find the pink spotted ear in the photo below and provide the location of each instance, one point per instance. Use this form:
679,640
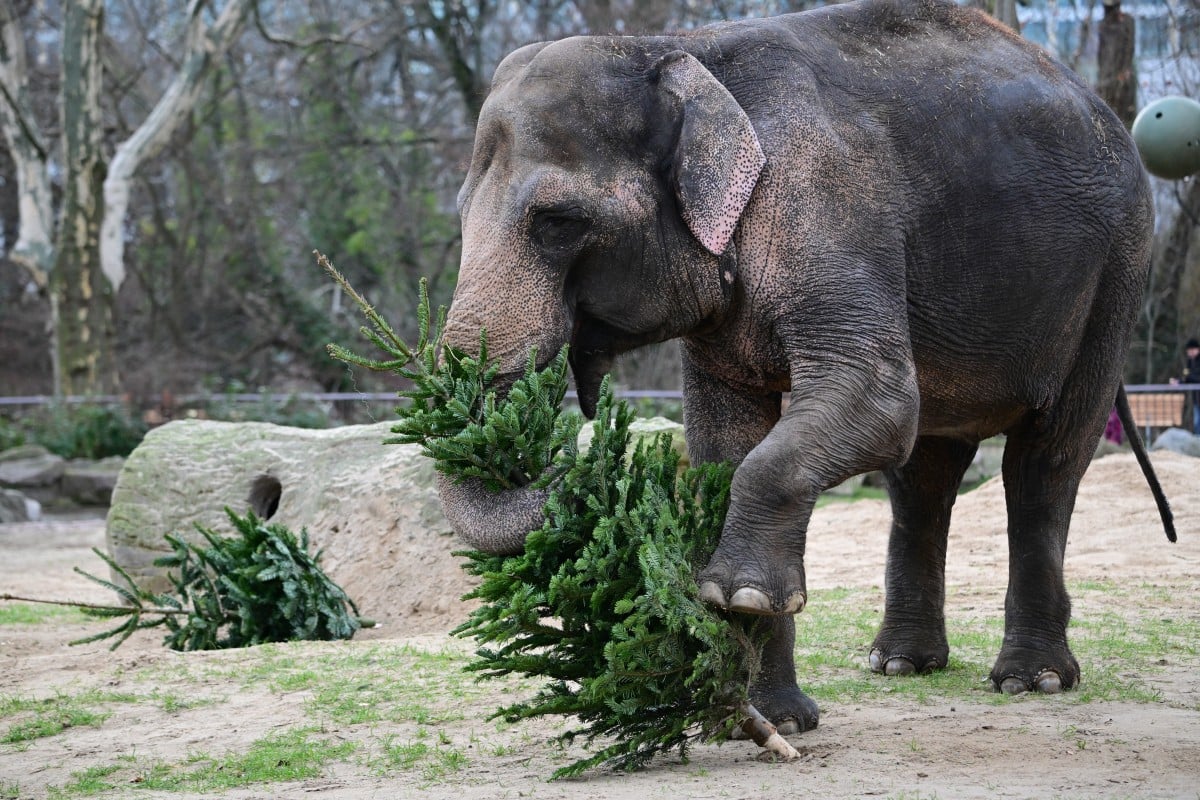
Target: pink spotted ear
717,158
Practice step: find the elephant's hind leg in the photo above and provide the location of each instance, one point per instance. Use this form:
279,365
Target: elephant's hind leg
913,635
1042,471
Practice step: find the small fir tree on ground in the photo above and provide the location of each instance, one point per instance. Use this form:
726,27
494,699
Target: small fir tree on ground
603,602
260,585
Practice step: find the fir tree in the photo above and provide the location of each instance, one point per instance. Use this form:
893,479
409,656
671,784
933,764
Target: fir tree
603,602
260,585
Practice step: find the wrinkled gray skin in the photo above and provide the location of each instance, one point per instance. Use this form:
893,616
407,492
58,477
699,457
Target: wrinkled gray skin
918,226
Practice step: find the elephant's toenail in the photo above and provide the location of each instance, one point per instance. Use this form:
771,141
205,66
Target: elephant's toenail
1013,685
711,593
876,660
748,600
899,666
1049,682
795,603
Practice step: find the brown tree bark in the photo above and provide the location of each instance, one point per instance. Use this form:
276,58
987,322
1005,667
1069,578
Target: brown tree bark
86,341
1117,79
1165,318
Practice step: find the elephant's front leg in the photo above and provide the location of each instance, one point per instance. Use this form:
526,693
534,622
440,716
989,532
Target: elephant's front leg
725,425
840,423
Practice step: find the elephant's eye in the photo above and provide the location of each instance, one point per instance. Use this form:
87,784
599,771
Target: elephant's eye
560,228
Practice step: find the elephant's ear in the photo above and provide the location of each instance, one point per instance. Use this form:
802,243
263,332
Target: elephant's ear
717,156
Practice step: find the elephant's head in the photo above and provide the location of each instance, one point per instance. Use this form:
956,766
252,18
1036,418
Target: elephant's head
607,180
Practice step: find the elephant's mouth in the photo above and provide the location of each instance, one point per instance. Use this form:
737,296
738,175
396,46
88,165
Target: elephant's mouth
595,345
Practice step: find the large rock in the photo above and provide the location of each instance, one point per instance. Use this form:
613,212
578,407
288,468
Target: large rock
647,429
1178,440
16,507
33,470
371,508
90,483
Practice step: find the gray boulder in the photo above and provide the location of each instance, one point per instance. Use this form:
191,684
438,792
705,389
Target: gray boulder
32,470
371,508
1179,441
647,429
16,507
90,483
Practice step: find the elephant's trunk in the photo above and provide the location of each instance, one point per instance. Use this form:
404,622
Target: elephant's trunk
492,522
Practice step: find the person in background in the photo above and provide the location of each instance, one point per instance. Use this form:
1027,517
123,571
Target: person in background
1191,374
1113,431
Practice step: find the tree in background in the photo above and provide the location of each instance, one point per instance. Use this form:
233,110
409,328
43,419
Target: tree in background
1116,80
347,127
65,252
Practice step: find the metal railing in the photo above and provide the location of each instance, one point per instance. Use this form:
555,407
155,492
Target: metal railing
277,397
1154,405
282,397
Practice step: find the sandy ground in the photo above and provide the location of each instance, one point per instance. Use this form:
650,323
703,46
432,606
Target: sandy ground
1043,747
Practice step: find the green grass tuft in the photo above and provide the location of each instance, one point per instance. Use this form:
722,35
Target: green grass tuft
27,614
40,718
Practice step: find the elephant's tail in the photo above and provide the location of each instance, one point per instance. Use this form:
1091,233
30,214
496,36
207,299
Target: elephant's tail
1139,450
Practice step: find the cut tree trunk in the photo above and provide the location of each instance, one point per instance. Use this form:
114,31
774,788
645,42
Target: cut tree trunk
766,736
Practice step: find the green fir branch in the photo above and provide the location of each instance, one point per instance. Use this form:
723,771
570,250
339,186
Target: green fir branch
452,409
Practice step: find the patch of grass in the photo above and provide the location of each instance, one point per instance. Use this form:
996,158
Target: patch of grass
360,685
10,791
38,614
291,755
39,718
446,761
434,761
1118,652
86,782
401,756
173,703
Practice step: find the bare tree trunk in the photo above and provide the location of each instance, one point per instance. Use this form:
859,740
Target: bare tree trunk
458,34
1161,302
1117,80
86,360
34,248
204,46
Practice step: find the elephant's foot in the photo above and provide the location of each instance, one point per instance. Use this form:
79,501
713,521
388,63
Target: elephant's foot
756,587
791,710
900,652
1026,669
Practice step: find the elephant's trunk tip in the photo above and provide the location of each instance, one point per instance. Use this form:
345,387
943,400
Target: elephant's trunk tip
491,522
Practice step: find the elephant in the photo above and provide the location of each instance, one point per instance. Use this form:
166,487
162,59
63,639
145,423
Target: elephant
918,227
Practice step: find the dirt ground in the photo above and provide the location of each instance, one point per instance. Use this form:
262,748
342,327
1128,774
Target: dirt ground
1043,747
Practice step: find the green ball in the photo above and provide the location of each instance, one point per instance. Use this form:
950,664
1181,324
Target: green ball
1167,133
